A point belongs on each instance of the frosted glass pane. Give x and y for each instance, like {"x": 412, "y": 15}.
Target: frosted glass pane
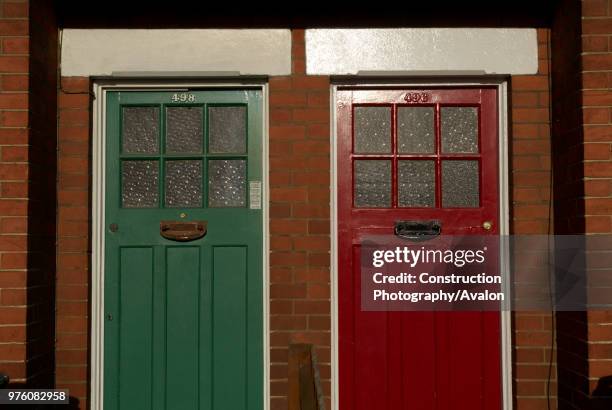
{"x": 184, "y": 184}
{"x": 373, "y": 130}
{"x": 184, "y": 130}
{"x": 459, "y": 129}
{"x": 460, "y": 184}
{"x": 227, "y": 183}
{"x": 139, "y": 180}
{"x": 372, "y": 184}
{"x": 415, "y": 130}
{"x": 416, "y": 183}
{"x": 140, "y": 130}
{"x": 227, "y": 130}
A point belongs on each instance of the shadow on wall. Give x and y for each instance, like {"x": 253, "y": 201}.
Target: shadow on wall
{"x": 601, "y": 398}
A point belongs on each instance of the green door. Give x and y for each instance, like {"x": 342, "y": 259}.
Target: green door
{"x": 183, "y": 318}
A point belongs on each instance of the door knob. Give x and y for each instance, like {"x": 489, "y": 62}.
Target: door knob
{"x": 487, "y": 225}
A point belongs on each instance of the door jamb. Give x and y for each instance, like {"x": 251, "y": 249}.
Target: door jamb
{"x": 100, "y": 88}
{"x": 504, "y": 214}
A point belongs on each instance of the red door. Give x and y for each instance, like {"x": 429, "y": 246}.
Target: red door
{"x": 415, "y": 154}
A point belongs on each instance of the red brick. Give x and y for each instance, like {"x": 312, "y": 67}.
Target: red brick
{"x": 598, "y": 224}
{"x": 311, "y": 115}
{"x": 318, "y": 98}
{"x": 291, "y": 258}
{"x": 530, "y": 115}
{"x": 13, "y": 101}
{"x": 279, "y": 83}
{"x": 13, "y": 297}
{"x": 71, "y": 357}
{"x": 311, "y": 178}
{"x": 288, "y": 98}
{"x": 14, "y": 82}
{"x": 75, "y": 84}
{"x": 13, "y": 64}
{"x": 13, "y": 260}
{"x": 13, "y": 225}
{"x": 594, "y": 8}
{"x": 287, "y": 132}
{"x": 525, "y": 99}
{"x": 597, "y": 26}
{"x": 14, "y": 154}
{"x": 598, "y": 206}
{"x": 13, "y": 27}
{"x": 12, "y": 334}
{"x": 319, "y": 323}
{"x": 316, "y": 307}
{"x": 298, "y": 36}
{"x": 12, "y": 315}
{"x": 529, "y": 83}
{"x": 288, "y": 194}
{"x": 596, "y": 62}
{"x": 311, "y": 147}
{"x": 70, "y": 340}
{"x": 594, "y": 43}
{"x": 594, "y": 80}
{"x": 14, "y": 118}
{"x": 313, "y": 274}
{"x": 597, "y": 187}
{"x": 280, "y": 115}
{"x": 598, "y": 169}
{"x": 596, "y": 98}
{"x": 288, "y": 322}
{"x": 318, "y": 131}
{"x": 598, "y": 133}
{"x": 286, "y": 291}
{"x": 596, "y": 115}
{"x": 15, "y": 45}
{"x": 15, "y": 190}
{"x": 311, "y": 243}
{"x": 318, "y": 227}
{"x": 72, "y": 117}
{"x": 73, "y": 100}
{"x": 310, "y": 82}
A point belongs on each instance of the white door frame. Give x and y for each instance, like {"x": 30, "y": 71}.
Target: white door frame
{"x": 504, "y": 215}
{"x": 98, "y": 187}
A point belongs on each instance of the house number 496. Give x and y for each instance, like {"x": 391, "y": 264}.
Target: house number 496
{"x": 183, "y": 97}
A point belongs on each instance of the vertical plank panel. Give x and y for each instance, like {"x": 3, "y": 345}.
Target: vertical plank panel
{"x": 372, "y": 371}
{"x": 418, "y": 358}
{"x": 135, "y": 329}
{"x": 229, "y": 327}
{"x": 182, "y": 337}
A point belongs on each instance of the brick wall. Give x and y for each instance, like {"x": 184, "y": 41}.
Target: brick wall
{"x": 28, "y": 44}
{"x": 530, "y": 213}
{"x": 73, "y": 238}
{"x": 299, "y": 220}
{"x": 583, "y": 133}
{"x": 14, "y": 274}
{"x": 596, "y": 69}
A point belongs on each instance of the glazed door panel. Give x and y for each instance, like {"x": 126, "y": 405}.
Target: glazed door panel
{"x": 415, "y": 154}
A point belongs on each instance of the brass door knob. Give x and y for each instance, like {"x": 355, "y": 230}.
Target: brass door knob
{"x": 487, "y": 225}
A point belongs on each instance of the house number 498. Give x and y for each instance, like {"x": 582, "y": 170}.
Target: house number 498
{"x": 183, "y": 97}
